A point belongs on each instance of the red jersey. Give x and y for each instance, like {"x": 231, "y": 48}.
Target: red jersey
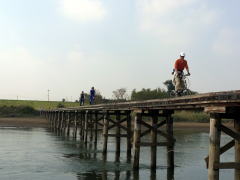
{"x": 181, "y": 64}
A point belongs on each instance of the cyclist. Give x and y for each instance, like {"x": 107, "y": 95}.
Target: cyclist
{"x": 179, "y": 66}
{"x": 92, "y": 95}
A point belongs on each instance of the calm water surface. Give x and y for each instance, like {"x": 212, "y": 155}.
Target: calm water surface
{"x": 37, "y": 153}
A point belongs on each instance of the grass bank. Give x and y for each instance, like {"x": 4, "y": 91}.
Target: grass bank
{"x": 25, "y": 108}
{"x": 190, "y": 116}
{"x": 38, "y": 105}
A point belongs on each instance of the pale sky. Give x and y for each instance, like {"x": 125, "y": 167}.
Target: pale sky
{"x": 71, "y": 45}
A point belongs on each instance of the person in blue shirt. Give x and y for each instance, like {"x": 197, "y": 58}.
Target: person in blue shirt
{"x": 82, "y": 99}
{"x": 92, "y": 95}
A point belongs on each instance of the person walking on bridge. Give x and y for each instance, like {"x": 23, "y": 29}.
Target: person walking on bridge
{"x": 82, "y": 98}
{"x": 179, "y": 66}
{"x": 92, "y": 95}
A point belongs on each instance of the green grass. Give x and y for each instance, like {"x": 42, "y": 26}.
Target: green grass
{"x": 190, "y": 116}
{"x": 37, "y": 105}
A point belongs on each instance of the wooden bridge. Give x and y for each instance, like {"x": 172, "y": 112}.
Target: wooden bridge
{"x": 132, "y": 118}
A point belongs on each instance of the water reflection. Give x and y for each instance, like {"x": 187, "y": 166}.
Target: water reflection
{"x": 118, "y": 175}
{"x": 111, "y": 170}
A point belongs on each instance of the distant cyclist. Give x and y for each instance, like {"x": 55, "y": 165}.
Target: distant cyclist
{"x": 92, "y": 96}
{"x": 82, "y": 98}
{"x": 179, "y": 66}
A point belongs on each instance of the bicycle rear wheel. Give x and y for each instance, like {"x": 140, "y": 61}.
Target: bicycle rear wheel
{"x": 187, "y": 92}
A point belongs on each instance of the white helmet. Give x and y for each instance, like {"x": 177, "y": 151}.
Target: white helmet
{"x": 182, "y": 54}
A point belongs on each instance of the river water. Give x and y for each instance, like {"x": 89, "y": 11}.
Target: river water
{"x": 37, "y": 153}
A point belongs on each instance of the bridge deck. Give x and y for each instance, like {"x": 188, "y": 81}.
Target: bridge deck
{"x": 201, "y": 101}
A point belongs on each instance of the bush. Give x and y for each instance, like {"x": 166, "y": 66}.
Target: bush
{"x": 17, "y": 111}
{"x": 60, "y": 105}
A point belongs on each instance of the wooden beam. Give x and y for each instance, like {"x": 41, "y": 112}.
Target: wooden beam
{"x": 116, "y": 135}
{"x": 114, "y": 125}
{"x": 151, "y": 144}
{"x": 230, "y": 132}
{"x": 227, "y": 165}
{"x": 117, "y": 124}
{"x": 223, "y": 149}
{"x": 215, "y": 109}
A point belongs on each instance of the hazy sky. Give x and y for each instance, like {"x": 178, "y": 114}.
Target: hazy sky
{"x": 70, "y": 45}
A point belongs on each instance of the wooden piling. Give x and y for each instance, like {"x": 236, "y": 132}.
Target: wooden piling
{"x": 154, "y": 115}
{"x": 137, "y": 140}
{"x": 62, "y": 121}
{"x": 64, "y": 125}
{"x": 214, "y": 147}
{"x": 91, "y": 125}
{"x": 170, "y": 144}
{"x": 75, "y": 125}
{"x": 237, "y": 148}
{"x": 86, "y": 127}
{"x": 170, "y": 173}
{"x": 129, "y": 136}
{"x": 118, "y": 138}
{"x": 58, "y": 121}
{"x": 68, "y": 123}
{"x": 105, "y": 135}
{"x": 96, "y": 129}
{"x": 80, "y": 123}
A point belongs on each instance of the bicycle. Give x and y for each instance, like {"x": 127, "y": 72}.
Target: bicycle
{"x": 186, "y": 91}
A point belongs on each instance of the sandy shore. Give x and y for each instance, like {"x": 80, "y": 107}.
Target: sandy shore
{"x": 23, "y": 122}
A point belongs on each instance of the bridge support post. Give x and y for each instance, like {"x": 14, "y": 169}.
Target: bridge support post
{"x": 64, "y": 123}
{"x": 170, "y": 144}
{"x": 237, "y": 148}
{"x": 86, "y": 127}
{"x": 61, "y": 123}
{"x": 68, "y": 123}
{"x": 57, "y": 121}
{"x": 81, "y": 126}
{"x": 96, "y": 129}
{"x": 129, "y": 136}
{"x": 75, "y": 125}
{"x": 91, "y": 125}
{"x": 53, "y": 120}
{"x": 137, "y": 140}
{"x": 118, "y": 138}
{"x": 49, "y": 117}
{"x": 214, "y": 146}
{"x": 105, "y": 135}
{"x": 154, "y": 115}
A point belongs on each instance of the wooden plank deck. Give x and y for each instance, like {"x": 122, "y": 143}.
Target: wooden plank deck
{"x": 200, "y": 101}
